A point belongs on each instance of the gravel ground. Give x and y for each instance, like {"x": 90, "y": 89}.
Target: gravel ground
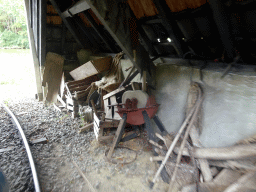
{"x": 14, "y": 163}
{"x": 54, "y": 160}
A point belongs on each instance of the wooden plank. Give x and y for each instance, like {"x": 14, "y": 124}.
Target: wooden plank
{"x": 91, "y": 68}
{"x": 101, "y": 100}
{"x": 43, "y": 140}
{"x": 79, "y": 88}
{"x": 56, "y": 107}
{"x": 96, "y": 119}
{"x": 52, "y": 75}
{"x": 68, "y": 91}
{"x": 61, "y": 100}
{"x": 222, "y": 153}
{"x": 177, "y": 6}
{"x": 84, "y": 81}
{"x": 77, "y": 36}
{"x": 62, "y": 85}
{"x": 123, "y": 30}
{"x": 225, "y": 178}
{"x": 204, "y": 165}
{"x": 110, "y": 110}
{"x": 235, "y": 164}
{"x": 82, "y": 94}
{"x": 71, "y": 108}
{"x": 42, "y": 31}
{"x": 92, "y": 88}
{"x": 118, "y": 135}
{"x": 95, "y": 111}
{"x": 246, "y": 182}
{"x": 171, "y": 26}
{"x": 87, "y": 127}
{"x": 113, "y": 93}
{"x": 144, "y": 85}
{"x": 135, "y": 86}
{"x": 108, "y": 124}
{"x": 110, "y": 99}
{"x": 233, "y": 152}
{"x": 74, "y": 113}
{"x": 105, "y": 138}
{"x": 70, "y": 101}
{"x": 6, "y": 149}
{"x": 100, "y": 32}
{"x": 142, "y": 8}
{"x": 76, "y": 8}
{"x": 96, "y": 127}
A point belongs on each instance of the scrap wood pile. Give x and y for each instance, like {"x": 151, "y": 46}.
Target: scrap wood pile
{"x": 86, "y": 85}
{"x": 93, "y": 93}
{"x": 190, "y": 167}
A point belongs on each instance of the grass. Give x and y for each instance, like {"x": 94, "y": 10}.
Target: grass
{"x": 17, "y": 78}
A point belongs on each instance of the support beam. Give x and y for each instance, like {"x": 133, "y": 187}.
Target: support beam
{"x": 222, "y": 21}
{"x": 89, "y": 38}
{"x": 76, "y": 8}
{"x": 116, "y": 18}
{"x": 33, "y": 52}
{"x": 147, "y": 41}
{"x": 109, "y": 44}
{"x": 118, "y": 135}
{"x": 171, "y": 25}
{"x": 42, "y": 32}
{"x": 78, "y": 36}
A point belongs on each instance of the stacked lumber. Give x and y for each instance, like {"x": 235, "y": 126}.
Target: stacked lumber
{"x": 86, "y": 82}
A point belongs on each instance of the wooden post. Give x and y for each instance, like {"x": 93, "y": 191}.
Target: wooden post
{"x": 94, "y": 107}
{"x": 33, "y": 52}
{"x": 144, "y": 78}
{"x": 118, "y": 135}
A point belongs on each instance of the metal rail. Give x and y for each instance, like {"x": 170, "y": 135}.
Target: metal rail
{"x": 30, "y": 157}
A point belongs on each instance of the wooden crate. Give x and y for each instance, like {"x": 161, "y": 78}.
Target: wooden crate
{"x": 91, "y": 68}
{"x": 110, "y": 99}
{"x": 96, "y": 126}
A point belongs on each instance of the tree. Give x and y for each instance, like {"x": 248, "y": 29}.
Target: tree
{"x": 13, "y": 30}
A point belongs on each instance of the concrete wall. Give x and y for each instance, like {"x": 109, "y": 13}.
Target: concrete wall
{"x": 229, "y": 108}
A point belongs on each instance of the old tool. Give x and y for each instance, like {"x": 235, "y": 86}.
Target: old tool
{"x": 137, "y": 108}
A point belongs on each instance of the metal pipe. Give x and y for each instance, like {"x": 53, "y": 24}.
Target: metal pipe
{"x": 30, "y": 157}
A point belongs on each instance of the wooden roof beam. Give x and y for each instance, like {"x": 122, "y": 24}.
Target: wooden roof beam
{"x": 117, "y": 20}
{"x": 170, "y": 25}
{"x": 77, "y": 36}
{"x": 96, "y": 27}
{"x": 80, "y": 6}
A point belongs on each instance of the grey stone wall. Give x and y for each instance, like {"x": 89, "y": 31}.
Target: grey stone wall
{"x": 229, "y": 107}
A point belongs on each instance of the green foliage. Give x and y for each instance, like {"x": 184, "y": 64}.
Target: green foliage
{"x": 11, "y": 39}
{"x": 13, "y": 30}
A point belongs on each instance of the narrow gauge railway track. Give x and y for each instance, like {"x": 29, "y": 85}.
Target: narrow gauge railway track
{"x": 16, "y": 158}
